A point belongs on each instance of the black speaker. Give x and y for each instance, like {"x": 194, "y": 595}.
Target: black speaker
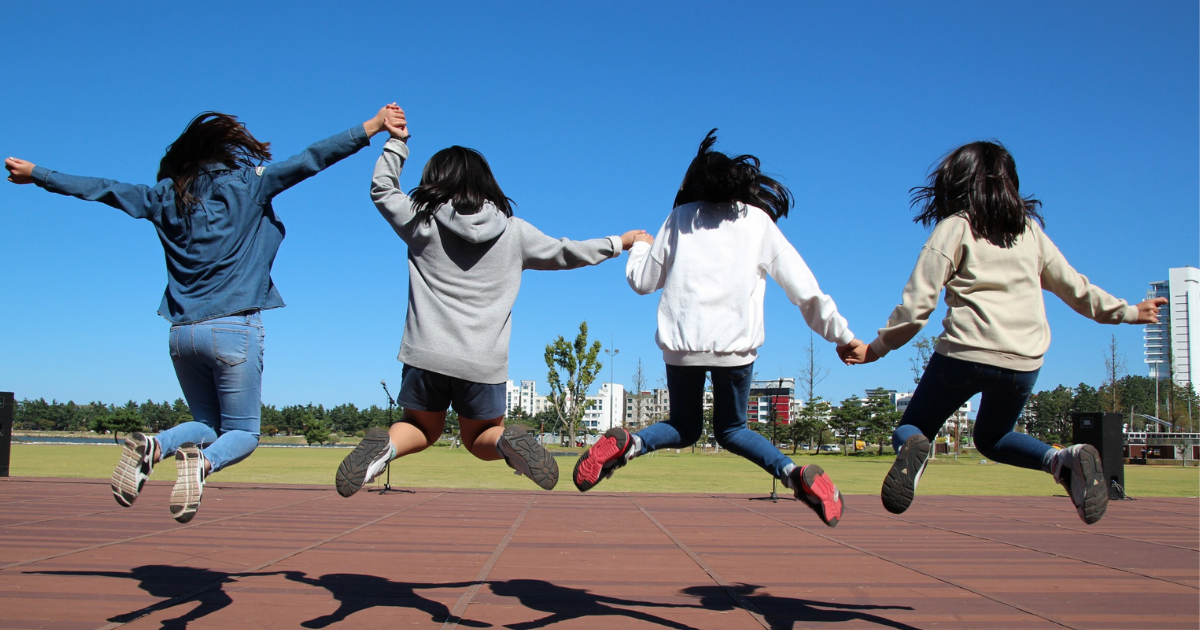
{"x": 1104, "y": 431}
{"x": 8, "y": 404}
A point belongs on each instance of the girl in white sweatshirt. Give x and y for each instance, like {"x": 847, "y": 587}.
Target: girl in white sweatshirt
{"x": 711, "y": 260}
{"x": 988, "y": 251}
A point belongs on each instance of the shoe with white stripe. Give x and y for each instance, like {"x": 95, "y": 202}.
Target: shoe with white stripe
{"x": 365, "y": 462}
{"x": 900, "y": 485}
{"x": 189, "y": 482}
{"x": 133, "y": 469}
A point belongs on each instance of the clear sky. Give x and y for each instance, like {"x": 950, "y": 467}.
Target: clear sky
{"x": 589, "y": 114}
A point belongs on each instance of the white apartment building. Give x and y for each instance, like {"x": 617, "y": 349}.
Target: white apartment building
{"x": 604, "y": 410}
{"x": 1168, "y": 344}
{"x": 524, "y": 396}
{"x": 643, "y": 409}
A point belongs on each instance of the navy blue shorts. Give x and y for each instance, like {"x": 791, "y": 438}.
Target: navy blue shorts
{"x": 422, "y": 390}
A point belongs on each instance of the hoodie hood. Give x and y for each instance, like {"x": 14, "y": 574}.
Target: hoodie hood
{"x": 477, "y": 227}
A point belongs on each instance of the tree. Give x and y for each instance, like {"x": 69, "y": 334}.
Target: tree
{"x": 315, "y": 429}
{"x": 1050, "y": 415}
{"x": 847, "y": 419}
{"x": 1114, "y": 369}
{"x": 637, "y": 400}
{"x": 882, "y": 418}
{"x": 809, "y": 423}
{"x": 124, "y": 420}
{"x": 1086, "y": 398}
{"x": 923, "y": 345}
{"x": 572, "y": 369}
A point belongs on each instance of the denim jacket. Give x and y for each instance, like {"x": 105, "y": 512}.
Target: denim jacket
{"x": 218, "y": 257}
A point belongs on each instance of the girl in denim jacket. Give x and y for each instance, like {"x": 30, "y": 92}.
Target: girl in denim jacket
{"x": 212, "y": 210}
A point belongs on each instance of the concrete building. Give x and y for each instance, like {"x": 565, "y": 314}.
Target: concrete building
{"x": 774, "y": 396}
{"x": 643, "y": 409}
{"x": 524, "y": 396}
{"x": 604, "y": 410}
{"x": 1168, "y": 344}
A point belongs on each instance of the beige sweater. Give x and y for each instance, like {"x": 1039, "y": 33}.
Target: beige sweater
{"x": 996, "y": 315}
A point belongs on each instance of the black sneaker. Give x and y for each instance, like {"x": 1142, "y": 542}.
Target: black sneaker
{"x": 597, "y": 463}
{"x": 812, "y": 486}
{"x": 900, "y": 485}
{"x": 523, "y": 454}
{"x": 133, "y": 469}
{"x": 365, "y": 462}
{"x": 1079, "y": 470}
{"x": 189, "y": 482}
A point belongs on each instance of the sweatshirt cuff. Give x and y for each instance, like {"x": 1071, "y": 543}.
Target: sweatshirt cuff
{"x": 846, "y": 337}
{"x": 880, "y": 349}
{"x": 397, "y": 146}
{"x": 616, "y": 243}
{"x": 1129, "y": 316}
{"x": 41, "y": 175}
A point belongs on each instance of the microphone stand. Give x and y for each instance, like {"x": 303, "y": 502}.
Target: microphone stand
{"x": 387, "y": 484}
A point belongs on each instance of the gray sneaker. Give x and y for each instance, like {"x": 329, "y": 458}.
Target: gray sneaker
{"x": 523, "y": 454}
{"x": 365, "y": 462}
{"x": 189, "y": 482}
{"x": 133, "y": 469}
{"x": 1079, "y": 470}
{"x": 900, "y": 485}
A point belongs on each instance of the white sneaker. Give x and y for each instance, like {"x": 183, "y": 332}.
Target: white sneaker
{"x": 133, "y": 469}
{"x": 189, "y": 482}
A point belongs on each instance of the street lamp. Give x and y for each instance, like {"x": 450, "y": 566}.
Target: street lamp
{"x": 612, "y": 353}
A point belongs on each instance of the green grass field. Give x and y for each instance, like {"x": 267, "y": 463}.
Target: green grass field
{"x": 664, "y": 471}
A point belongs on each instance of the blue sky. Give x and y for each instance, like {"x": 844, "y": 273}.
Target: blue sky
{"x": 588, "y": 114}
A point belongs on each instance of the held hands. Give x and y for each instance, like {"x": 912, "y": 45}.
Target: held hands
{"x": 19, "y": 171}
{"x": 390, "y": 118}
{"x": 1147, "y": 310}
{"x": 397, "y": 122}
{"x": 635, "y": 236}
{"x": 857, "y": 353}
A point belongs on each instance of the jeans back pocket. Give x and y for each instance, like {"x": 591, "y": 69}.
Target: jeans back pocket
{"x": 230, "y": 346}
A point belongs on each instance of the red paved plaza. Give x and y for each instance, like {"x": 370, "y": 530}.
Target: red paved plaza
{"x": 301, "y": 556}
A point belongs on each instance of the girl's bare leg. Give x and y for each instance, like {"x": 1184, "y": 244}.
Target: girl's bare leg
{"x": 416, "y": 431}
{"x": 480, "y": 436}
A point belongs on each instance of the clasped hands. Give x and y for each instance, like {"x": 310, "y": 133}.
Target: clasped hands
{"x": 856, "y": 353}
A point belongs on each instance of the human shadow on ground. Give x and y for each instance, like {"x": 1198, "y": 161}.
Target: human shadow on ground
{"x": 355, "y": 592}
{"x": 790, "y": 612}
{"x": 565, "y": 604}
{"x": 170, "y": 583}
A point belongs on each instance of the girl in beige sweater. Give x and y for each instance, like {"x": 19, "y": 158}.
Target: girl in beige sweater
{"x": 989, "y": 253}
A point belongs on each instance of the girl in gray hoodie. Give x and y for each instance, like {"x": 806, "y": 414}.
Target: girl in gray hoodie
{"x": 466, "y": 252}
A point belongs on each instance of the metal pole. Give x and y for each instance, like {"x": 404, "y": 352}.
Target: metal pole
{"x": 612, "y": 354}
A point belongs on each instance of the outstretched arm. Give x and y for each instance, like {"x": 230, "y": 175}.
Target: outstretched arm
{"x": 1083, "y": 297}
{"x": 136, "y": 200}
{"x": 647, "y": 267}
{"x": 542, "y": 252}
{"x": 279, "y": 176}
{"x": 797, "y": 281}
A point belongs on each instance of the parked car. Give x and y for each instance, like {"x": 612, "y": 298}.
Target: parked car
{"x": 831, "y": 448}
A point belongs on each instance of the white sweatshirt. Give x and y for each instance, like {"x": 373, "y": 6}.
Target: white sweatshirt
{"x": 711, "y": 261}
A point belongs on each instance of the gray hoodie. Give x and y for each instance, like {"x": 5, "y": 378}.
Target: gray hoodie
{"x": 464, "y": 271}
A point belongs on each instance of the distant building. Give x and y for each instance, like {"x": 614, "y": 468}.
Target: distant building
{"x": 1168, "y": 344}
{"x": 775, "y": 396}
{"x": 524, "y": 396}
{"x": 603, "y": 411}
{"x": 643, "y": 409}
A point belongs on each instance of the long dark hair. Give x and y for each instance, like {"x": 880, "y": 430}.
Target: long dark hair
{"x": 717, "y": 178}
{"x": 211, "y": 137}
{"x": 461, "y": 177}
{"x": 979, "y": 181}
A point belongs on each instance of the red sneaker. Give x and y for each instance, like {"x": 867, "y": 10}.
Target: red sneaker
{"x": 609, "y": 453}
{"x": 817, "y": 491}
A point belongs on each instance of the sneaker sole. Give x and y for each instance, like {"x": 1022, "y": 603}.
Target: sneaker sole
{"x": 900, "y": 485}
{"x": 817, "y": 483}
{"x": 543, "y": 470}
{"x": 1095, "y": 494}
{"x": 352, "y": 473}
{"x": 127, "y": 479}
{"x": 589, "y": 470}
{"x": 185, "y": 497}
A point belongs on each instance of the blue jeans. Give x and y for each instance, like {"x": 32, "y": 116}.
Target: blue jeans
{"x": 219, "y": 363}
{"x": 948, "y": 383}
{"x": 731, "y": 397}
